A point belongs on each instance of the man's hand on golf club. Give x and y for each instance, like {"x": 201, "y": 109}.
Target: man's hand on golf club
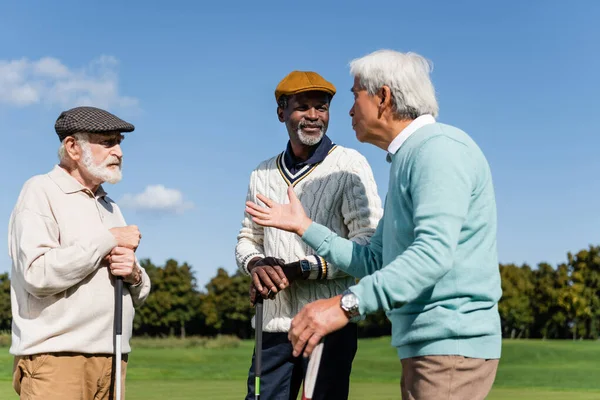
{"x": 270, "y": 275}
{"x": 267, "y": 275}
{"x": 122, "y": 263}
{"x": 127, "y": 236}
{"x": 315, "y": 321}
{"x": 288, "y": 217}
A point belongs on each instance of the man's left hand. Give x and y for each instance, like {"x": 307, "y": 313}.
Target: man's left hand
{"x": 313, "y": 322}
{"x": 122, "y": 263}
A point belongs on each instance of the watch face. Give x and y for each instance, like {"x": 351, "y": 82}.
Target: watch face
{"x": 305, "y": 265}
{"x": 349, "y": 301}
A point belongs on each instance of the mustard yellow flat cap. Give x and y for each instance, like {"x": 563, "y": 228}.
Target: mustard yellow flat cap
{"x": 303, "y": 81}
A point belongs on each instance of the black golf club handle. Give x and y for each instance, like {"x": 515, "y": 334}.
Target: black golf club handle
{"x": 119, "y": 305}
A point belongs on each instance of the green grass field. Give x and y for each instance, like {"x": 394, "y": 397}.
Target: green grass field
{"x": 544, "y": 370}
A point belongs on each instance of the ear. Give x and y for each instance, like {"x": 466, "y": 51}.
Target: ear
{"x": 385, "y": 98}
{"x": 72, "y": 148}
{"x": 280, "y": 114}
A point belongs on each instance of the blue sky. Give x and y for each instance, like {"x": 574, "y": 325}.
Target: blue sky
{"x": 197, "y": 81}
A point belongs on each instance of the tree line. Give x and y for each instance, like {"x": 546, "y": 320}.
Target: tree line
{"x": 548, "y": 302}
{"x": 553, "y": 303}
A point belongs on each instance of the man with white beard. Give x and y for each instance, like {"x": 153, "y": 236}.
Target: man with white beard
{"x": 67, "y": 241}
{"x": 336, "y": 186}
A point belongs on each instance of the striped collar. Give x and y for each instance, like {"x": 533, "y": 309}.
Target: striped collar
{"x": 293, "y": 171}
{"x": 318, "y": 154}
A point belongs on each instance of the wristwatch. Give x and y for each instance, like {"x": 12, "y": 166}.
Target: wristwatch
{"x": 349, "y": 303}
{"x": 305, "y": 268}
{"x": 313, "y": 267}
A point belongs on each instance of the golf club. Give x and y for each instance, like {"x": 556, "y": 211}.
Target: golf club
{"x": 312, "y": 371}
{"x": 258, "y": 357}
{"x": 314, "y": 361}
{"x": 118, "y": 333}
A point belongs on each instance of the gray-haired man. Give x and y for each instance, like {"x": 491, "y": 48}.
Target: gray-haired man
{"x": 432, "y": 263}
{"x": 68, "y": 240}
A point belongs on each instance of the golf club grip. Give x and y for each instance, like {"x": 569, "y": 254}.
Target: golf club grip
{"x": 312, "y": 371}
{"x": 119, "y": 306}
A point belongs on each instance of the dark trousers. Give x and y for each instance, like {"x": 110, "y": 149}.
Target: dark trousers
{"x": 282, "y": 373}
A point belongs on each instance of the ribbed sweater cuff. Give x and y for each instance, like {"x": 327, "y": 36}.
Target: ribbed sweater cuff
{"x": 315, "y": 235}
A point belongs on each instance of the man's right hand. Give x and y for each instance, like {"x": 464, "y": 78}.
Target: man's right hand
{"x": 127, "y": 236}
{"x": 289, "y": 217}
{"x": 267, "y": 274}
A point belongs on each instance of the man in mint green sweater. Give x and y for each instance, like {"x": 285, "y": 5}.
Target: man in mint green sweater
{"x": 432, "y": 264}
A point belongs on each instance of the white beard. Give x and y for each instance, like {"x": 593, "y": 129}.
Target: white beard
{"x": 309, "y": 140}
{"x": 101, "y": 171}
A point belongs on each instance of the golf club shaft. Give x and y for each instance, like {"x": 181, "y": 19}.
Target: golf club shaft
{"x": 258, "y": 357}
{"x": 258, "y": 302}
{"x": 118, "y": 333}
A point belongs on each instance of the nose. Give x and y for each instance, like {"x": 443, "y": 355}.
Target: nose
{"x": 312, "y": 114}
{"x": 117, "y": 151}
{"x": 352, "y": 111}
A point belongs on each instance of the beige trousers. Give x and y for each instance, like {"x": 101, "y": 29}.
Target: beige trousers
{"x": 66, "y": 376}
{"x": 447, "y": 378}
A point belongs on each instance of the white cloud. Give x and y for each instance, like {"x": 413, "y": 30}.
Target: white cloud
{"x": 157, "y": 198}
{"x": 48, "y": 81}
{"x": 50, "y": 67}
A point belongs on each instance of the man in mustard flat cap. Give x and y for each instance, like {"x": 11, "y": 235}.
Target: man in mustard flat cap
{"x": 336, "y": 187}
{"x": 67, "y": 241}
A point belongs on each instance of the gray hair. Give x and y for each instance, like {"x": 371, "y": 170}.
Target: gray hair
{"x": 79, "y": 137}
{"x": 407, "y": 76}
{"x": 282, "y": 102}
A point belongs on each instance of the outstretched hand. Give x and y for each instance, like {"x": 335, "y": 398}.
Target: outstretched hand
{"x": 288, "y": 217}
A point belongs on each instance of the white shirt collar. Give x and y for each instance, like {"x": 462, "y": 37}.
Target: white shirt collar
{"x": 399, "y": 140}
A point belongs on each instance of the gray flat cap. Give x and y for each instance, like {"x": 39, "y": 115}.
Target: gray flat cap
{"x": 89, "y": 120}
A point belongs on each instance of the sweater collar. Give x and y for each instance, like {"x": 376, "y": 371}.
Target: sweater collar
{"x": 421, "y": 121}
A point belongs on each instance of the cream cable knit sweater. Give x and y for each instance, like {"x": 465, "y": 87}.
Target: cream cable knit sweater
{"x": 339, "y": 193}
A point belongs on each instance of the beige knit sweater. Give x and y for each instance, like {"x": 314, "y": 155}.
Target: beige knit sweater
{"x": 339, "y": 193}
{"x": 62, "y": 294}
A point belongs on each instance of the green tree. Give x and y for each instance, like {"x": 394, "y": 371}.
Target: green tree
{"x": 226, "y": 305}
{"x": 515, "y": 307}
{"x": 584, "y": 301}
{"x": 150, "y": 318}
{"x": 550, "y": 301}
{"x": 180, "y": 283}
{"x": 173, "y": 301}
{"x": 5, "y": 313}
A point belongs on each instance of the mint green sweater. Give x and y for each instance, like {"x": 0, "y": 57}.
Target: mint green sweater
{"x": 432, "y": 263}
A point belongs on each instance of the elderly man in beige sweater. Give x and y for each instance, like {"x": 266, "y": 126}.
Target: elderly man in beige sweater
{"x": 68, "y": 240}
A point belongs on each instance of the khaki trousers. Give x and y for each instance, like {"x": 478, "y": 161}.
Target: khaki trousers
{"x": 66, "y": 376}
{"x": 447, "y": 378}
